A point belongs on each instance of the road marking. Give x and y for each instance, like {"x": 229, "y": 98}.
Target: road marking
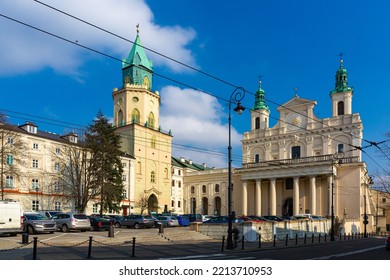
{"x": 348, "y": 253}
{"x": 193, "y": 256}
{"x": 54, "y": 237}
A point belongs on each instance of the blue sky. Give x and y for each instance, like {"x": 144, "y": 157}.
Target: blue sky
{"x": 291, "y": 44}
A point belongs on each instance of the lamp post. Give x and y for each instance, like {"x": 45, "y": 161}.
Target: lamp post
{"x": 337, "y": 156}
{"x": 236, "y": 96}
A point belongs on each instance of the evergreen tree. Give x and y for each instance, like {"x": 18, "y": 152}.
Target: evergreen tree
{"x": 106, "y": 166}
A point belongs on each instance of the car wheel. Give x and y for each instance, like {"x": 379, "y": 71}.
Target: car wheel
{"x": 137, "y": 226}
{"x": 117, "y": 225}
{"x": 65, "y": 228}
{"x": 30, "y": 230}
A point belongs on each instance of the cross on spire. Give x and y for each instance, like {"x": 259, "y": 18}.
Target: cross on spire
{"x": 137, "y": 28}
{"x": 341, "y": 59}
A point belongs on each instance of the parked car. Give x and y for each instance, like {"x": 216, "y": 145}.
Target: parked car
{"x": 193, "y": 217}
{"x": 35, "y": 223}
{"x": 100, "y": 223}
{"x": 254, "y": 219}
{"x": 222, "y": 220}
{"x": 168, "y": 221}
{"x": 387, "y": 244}
{"x": 206, "y": 217}
{"x": 72, "y": 221}
{"x": 183, "y": 221}
{"x": 136, "y": 221}
{"x": 272, "y": 218}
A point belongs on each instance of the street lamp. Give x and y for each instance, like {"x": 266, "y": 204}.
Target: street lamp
{"x": 236, "y": 96}
{"x": 337, "y": 156}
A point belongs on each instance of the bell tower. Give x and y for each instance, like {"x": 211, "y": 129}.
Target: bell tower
{"x": 137, "y": 120}
{"x": 341, "y": 96}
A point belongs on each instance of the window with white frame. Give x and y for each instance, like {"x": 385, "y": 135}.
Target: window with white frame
{"x": 35, "y": 163}
{"x": 152, "y": 177}
{"x": 35, "y": 205}
{"x": 95, "y": 208}
{"x": 57, "y": 206}
{"x": 10, "y": 140}
{"x": 124, "y": 177}
{"x": 35, "y": 184}
{"x": 124, "y": 193}
{"x": 35, "y": 146}
{"x": 10, "y": 159}
{"x": 9, "y": 182}
{"x": 56, "y": 167}
{"x": 57, "y": 187}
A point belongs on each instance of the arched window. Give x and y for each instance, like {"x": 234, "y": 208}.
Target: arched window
{"x": 153, "y": 142}
{"x": 216, "y": 189}
{"x": 340, "y": 108}
{"x": 127, "y": 80}
{"x": 204, "y": 189}
{"x": 135, "y": 116}
{"x": 152, "y": 177}
{"x": 151, "y": 120}
{"x": 139, "y": 170}
{"x": 257, "y": 123}
{"x": 121, "y": 121}
{"x": 146, "y": 82}
{"x": 166, "y": 173}
{"x": 295, "y": 152}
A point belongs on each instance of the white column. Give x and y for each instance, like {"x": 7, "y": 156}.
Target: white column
{"x": 272, "y": 198}
{"x": 313, "y": 194}
{"x": 329, "y": 194}
{"x": 258, "y": 198}
{"x": 296, "y": 196}
{"x": 244, "y": 198}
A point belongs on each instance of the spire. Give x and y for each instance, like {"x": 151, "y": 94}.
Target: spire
{"x": 137, "y": 69}
{"x": 260, "y": 99}
{"x": 341, "y": 78}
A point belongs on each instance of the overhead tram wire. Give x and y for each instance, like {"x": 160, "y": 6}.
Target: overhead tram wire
{"x": 157, "y": 74}
{"x": 166, "y": 57}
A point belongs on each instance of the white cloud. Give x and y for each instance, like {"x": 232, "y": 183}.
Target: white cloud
{"x": 25, "y": 50}
{"x": 197, "y": 120}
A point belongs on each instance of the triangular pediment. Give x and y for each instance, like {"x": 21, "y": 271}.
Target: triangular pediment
{"x": 297, "y": 103}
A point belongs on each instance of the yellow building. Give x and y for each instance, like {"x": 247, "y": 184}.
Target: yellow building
{"x": 137, "y": 118}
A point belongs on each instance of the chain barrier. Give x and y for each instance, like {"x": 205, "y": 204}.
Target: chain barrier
{"x": 126, "y": 243}
{"x": 16, "y": 248}
{"x": 62, "y": 246}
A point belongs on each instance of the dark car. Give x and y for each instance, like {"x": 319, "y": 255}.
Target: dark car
{"x": 272, "y": 218}
{"x": 387, "y": 243}
{"x": 183, "y": 221}
{"x": 193, "y": 217}
{"x": 136, "y": 221}
{"x": 222, "y": 220}
{"x": 100, "y": 223}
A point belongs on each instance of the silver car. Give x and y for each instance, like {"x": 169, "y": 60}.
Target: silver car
{"x": 168, "y": 221}
{"x": 72, "y": 221}
{"x": 35, "y": 223}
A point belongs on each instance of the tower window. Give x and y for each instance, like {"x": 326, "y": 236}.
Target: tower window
{"x": 340, "y": 148}
{"x": 257, "y": 158}
{"x": 152, "y": 177}
{"x": 257, "y": 123}
{"x": 340, "y": 108}
{"x": 136, "y": 116}
{"x": 151, "y": 120}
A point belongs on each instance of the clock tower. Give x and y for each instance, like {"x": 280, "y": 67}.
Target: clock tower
{"x": 137, "y": 119}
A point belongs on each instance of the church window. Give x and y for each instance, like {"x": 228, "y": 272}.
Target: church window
{"x": 340, "y": 108}
{"x": 139, "y": 169}
{"x": 127, "y": 79}
{"x": 257, "y": 158}
{"x": 152, "y": 177}
{"x": 151, "y": 120}
{"x": 204, "y": 189}
{"x": 257, "y": 123}
{"x": 121, "y": 121}
{"x": 153, "y": 142}
{"x": 289, "y": 183}
{"x": 295, "y": 152}
{"x": 340, "y": 148}
{"x": 136, "y": 116}
{"x": 216, "y": 188}
{"x": 192, "y": 189}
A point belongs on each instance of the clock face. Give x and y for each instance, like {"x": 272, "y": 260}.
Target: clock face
{"x": 295, "y": 121}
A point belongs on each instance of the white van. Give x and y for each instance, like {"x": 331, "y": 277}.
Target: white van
{"x": 10, "y": 217}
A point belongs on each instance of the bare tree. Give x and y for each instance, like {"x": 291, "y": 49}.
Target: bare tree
{"x": 142, "y": 202}
{"x": 12, "y": 149}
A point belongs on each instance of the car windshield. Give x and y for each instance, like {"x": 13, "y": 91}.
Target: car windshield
{"x": 35, "y": 217}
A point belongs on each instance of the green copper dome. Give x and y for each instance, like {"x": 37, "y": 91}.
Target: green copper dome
{"x": 260, "y": 100}
{"x": 341, "y": 80}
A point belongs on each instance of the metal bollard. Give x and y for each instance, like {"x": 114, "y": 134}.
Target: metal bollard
{"x": 296, "y": 239}
{"x": 133, "y": 251}
{"x": 223, "y": 242}
{"x": 111, "y": 231}
{"x": 305, "y": 238}
{"x": 90, "y": 247}
{"x": 25, "y": 238}
{"x": 274, "y": 240}
{"x": 161, "y": 228}
{"x": 286, "y": 239}
{"x": 312, "y": 238}
{"x": 259, "y": 240}
{"x": 319, "y": 238}
{"x": 35, "y": 248}
{"x": 242, "y": 243}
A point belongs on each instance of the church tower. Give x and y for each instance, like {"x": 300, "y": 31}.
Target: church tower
{"x": 137, "y": 118}
{"x": 342, "y": 94}
{"x": 260, "y": 112}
